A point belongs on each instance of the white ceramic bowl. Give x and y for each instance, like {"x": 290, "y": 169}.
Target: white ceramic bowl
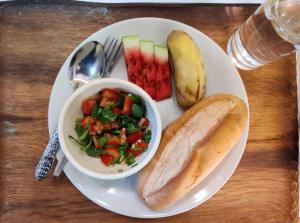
{"x": 93, "y": 166}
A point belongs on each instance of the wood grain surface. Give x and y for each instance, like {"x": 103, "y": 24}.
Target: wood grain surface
{"x": 35, "y": 39}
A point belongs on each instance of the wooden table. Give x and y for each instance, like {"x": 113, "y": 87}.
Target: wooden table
{"x": 35, "y": 40}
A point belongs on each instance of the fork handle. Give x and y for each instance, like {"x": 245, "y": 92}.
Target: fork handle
{"x": 48, "y": 157}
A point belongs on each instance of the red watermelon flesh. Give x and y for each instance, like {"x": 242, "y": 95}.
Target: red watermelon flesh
{"x": 148, "y": 67}
{"x": 133, "y": 60}
{"x": 163, "y": 73}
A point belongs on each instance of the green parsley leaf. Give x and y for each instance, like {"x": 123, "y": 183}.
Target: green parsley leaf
{"x": 135, "y": 164}
{"x": 102, "y": 119}
{"x": 76, "y": 140}
{"x": 119, "y": 160}
{"x": 126, "y": 120}
{"x": 123, "y": 153}
{"x": 84, "y": 135}
{"x": 83, "y": 145}
{"x": 132, "y": 128}
{"x": 122, "y": 158}
{"x": 108, "y": 115}
{"x": 136, "y": 148}
{"x": 137, "y": 110}
{"x": 96, "y": 111}
{"x": 123, "y": 147}
{"x": 136, "y": 99}
{"x": 78, "y": 128}
{"x": 147, "y": 136}
{"x": 84, "y": 148}
{"x": 86, "y": 140}
{"x": 92, "y": 151}
{"x": 102, "y": 141}
{"x": 115, "y": 131}
{"x": 130, "y": 160}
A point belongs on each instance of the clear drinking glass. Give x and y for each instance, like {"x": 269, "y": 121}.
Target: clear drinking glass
{"x": 272, "y": 32}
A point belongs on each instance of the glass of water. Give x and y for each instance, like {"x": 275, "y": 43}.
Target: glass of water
{"x": 272, "y": 32}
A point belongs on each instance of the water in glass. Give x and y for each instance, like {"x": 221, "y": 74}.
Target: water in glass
{"x": 272, "y": 32}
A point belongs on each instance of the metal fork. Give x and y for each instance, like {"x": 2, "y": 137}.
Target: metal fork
{"x": 112, "y": 47}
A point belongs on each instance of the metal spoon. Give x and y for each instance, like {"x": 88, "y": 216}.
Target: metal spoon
{"x": 86, "y": 64}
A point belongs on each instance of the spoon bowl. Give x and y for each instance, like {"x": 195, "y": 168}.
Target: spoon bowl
{"x": 87, "y": 63}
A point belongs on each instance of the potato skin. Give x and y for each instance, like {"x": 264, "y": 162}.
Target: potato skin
{"x": 189, "y": 72}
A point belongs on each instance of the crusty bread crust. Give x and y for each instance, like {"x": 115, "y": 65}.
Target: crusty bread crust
{"x": 206, "y": 157}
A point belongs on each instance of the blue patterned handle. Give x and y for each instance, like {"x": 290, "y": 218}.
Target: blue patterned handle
{"x": 48, "y": 157}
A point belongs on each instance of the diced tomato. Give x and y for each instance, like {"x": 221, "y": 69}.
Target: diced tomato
{"x": 117, "y": 111}
{"x": 107, "y": 159}
{"x": 114, "y": 152}
{"x": 109, "y": 97}
{"x": 85, "y": 121}
{"x": 111, "y": 93}
{"x": 113, "y": 140}
{"x": 107, "y": 126}
{"x": 105, "y": 102}
{"x": 87, "y": 105}
{"x": 92, "y": 130}
{"x": 98, "y": 126}
{"x": 111, "y": 125}
{"x": 97, "y": 145}
{"x": 141, "y": 145}
{"x": 127, "y": 105}
{"x": 144, "y": 122}
{"x": 133, "y": 137}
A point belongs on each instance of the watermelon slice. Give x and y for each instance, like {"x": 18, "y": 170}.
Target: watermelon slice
{"x": 132, "y": 54}
{"x": 163, "y": 76}
{"x": 148, "y": 67}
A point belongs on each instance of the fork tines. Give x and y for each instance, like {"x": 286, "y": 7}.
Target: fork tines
{"x": 112, "y": 48}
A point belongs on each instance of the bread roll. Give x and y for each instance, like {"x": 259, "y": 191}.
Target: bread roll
{"x": 190, "y": 148}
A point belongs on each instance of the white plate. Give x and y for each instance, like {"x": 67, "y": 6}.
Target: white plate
{"x": 120, "y": 196}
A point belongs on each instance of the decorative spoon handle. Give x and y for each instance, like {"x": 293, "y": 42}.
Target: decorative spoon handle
{"x": 48, "y": 157}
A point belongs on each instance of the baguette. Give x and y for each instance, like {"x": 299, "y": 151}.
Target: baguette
{"x": 190, "y": 148}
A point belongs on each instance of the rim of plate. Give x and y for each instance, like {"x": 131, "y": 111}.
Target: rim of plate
{"x": 244, "y": 135}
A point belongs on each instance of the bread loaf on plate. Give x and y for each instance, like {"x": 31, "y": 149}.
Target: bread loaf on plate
{"x": 192, "y": 147}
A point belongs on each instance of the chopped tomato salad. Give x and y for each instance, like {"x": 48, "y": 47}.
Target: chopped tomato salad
{"x": 113, "y": 127}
